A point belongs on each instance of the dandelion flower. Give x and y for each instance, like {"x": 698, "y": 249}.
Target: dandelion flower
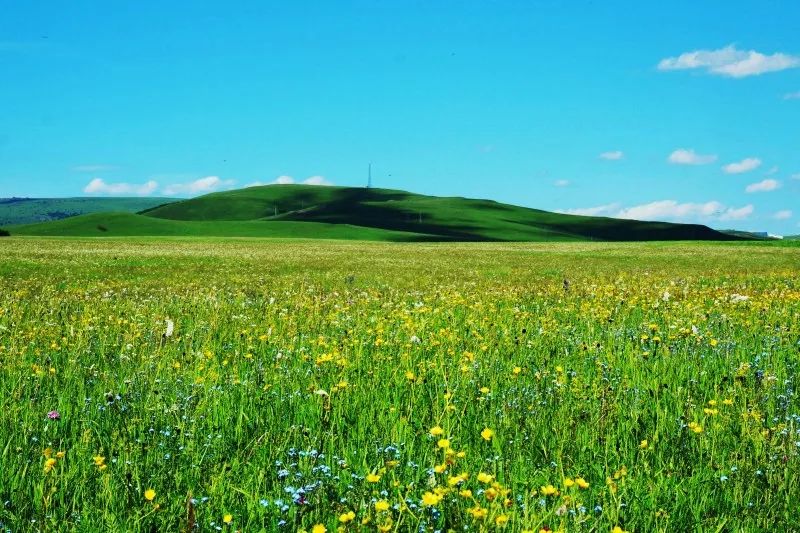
{"x": 483, "y": 477}
{"x": 347, "y": 517}
{"x": 319, "y": 528}
{"x": 478, "y": 512}
{"x": 228, "y": 518}
{"x": 436, "y": 431}
{"x": 549, "y": 490}
{"x": 487, "y": 434}
{"x": 443, "y": 443}
{"x": 429, "y": 499}
{"x": 381, "y": 505}
{"x": 49, "y": 464}
{"x": 149, "y": 495}
{"x": 373, "y": 478}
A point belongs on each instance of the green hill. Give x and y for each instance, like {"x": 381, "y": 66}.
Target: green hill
{"x": 31, "y": 210}
{"x": 359, "y": 213}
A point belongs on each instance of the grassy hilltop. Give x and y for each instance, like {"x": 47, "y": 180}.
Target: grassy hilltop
{"x": 365, "y": 214}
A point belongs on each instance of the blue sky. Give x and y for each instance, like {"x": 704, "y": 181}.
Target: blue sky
{"x": 686, "y": 111}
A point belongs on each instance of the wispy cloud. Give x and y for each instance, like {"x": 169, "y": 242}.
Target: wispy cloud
{"x": 613, "y": 155}
{"x": 94, "y": 168}
{"x": 763, "y": 186}
{"x": 683, "y": 156}
{"x": 668, "y": 210}
{"x": 561, "y": 183}
{"x": 745, "y": 165}
{"x": 796, "y": 176}
{"x": 783, "y": 214}
{"x": 792, "y": 96}
{"x": 198, "y": 186}
{"x": 98, "y": 186}
{"x": 731, "y": 62}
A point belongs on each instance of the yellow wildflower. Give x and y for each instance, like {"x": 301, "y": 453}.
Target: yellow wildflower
{"x": 430, "y": 499}
{"x": 381, "y": 505}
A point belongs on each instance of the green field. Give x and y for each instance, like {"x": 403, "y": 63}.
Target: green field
{"x": 362, "y": 214}
{"x": 398, "y": 387}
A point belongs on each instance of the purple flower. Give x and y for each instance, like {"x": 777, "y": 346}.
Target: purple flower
{"x": 54, "y": 415}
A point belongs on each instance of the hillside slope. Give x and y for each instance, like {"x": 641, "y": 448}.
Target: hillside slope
{"x": 32, "y": 210}
{"x": 131, "y": 224}
{"x": 448, "y": 218}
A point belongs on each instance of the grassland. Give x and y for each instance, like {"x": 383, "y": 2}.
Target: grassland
{"x": 367, "y": 214}
{"x": 398, "y": 387}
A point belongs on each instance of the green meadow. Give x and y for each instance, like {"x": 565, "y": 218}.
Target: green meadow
{"x": 240, "y": 384}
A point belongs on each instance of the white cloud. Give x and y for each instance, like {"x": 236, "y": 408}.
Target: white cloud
{"x": 774, "y": 170}
{"x": 763, "y": 186}
{"x": 668, "y": 210}
{"x": 316, "y": 180}
{"x": 94, "y": 168}
{"x": 737, "y": 214}
{"x": 783, "y": 214}
{"x": 796, "y": 176}
{"x": 606, "y": 210}
{"x": 561, "y": 183}
{"x": 614, "y": 155}
{"x": 682, "y": 156}
{"x": 745, "y": 165}
{"x": 202, "y": 185}
{"x": 288, "y": 180}
{"x": 792, "y": 96}
{"x": 98, "y": 186}
{"x": 731, "y": 62}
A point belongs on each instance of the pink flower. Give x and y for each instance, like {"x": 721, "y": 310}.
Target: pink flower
{"x": 54, "y": 415}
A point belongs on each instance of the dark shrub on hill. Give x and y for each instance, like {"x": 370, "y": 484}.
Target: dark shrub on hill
{"x": 4, "y": 233}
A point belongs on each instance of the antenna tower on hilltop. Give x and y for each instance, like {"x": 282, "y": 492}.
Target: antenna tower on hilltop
{"x": 369, "y": 176}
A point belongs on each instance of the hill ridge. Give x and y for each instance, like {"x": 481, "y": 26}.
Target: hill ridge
{"x": 382, "y": 214}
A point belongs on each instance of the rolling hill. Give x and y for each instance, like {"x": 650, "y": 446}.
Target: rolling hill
{"x": 32, "y": 210}
{"x": 359, "y": 213}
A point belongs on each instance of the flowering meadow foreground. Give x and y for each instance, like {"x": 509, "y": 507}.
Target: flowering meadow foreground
{"x": 171, "y": 385}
